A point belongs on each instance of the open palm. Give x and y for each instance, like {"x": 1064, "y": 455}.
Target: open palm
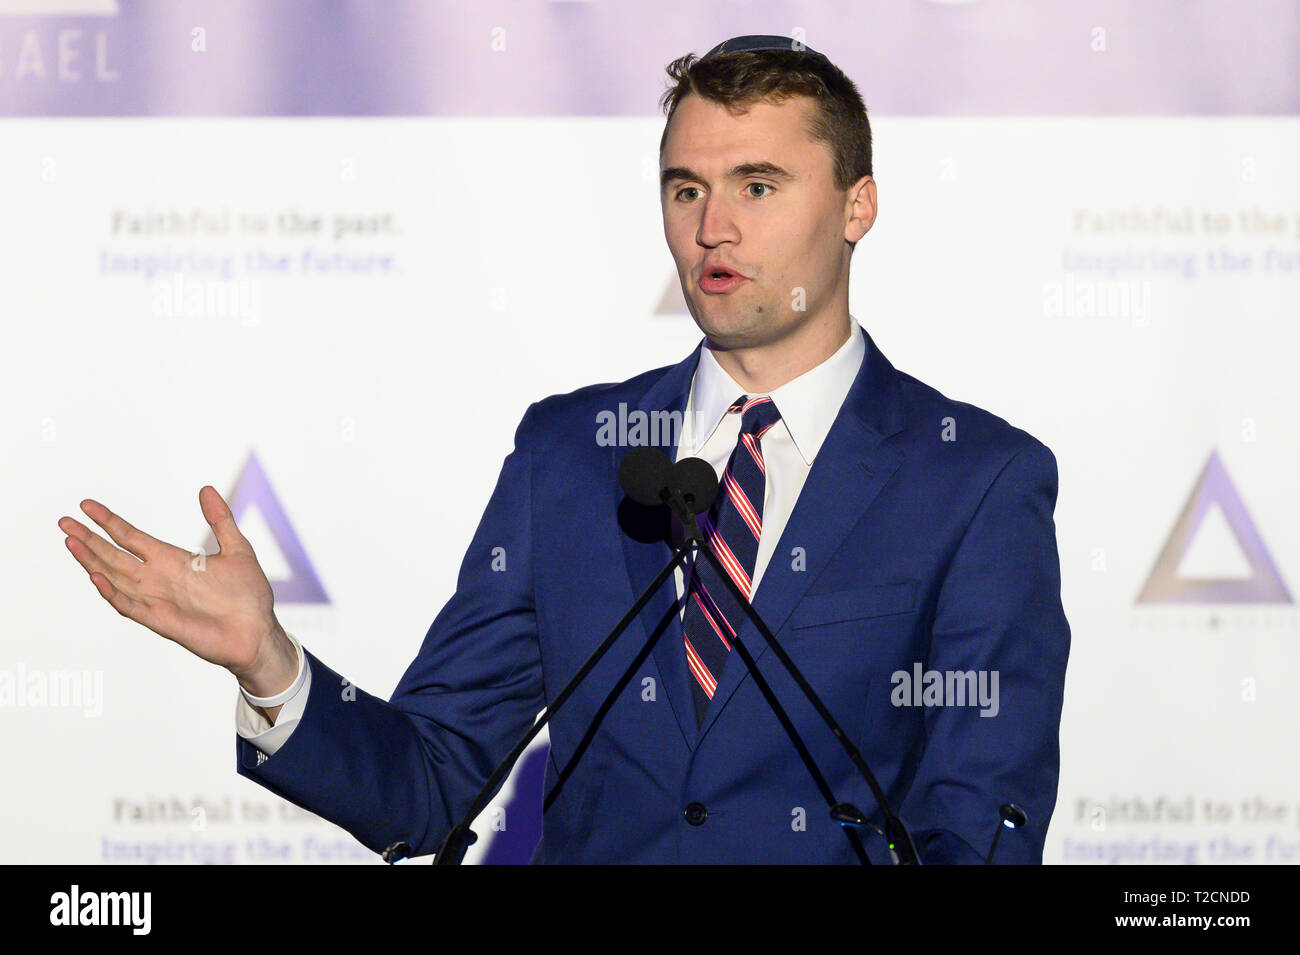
{"x": 219, "y": 608}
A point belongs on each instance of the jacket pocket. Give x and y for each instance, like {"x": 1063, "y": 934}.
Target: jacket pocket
{"x": 876, "y": 600}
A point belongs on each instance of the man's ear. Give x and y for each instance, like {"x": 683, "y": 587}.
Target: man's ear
{"x": 860, "y": 209}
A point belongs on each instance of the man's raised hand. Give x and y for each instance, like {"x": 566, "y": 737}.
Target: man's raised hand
{"x": 220, "y": 608}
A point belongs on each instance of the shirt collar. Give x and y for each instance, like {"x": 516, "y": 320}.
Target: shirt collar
{"x": 808, "y": 404}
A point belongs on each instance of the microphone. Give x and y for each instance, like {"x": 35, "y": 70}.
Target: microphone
{"x": 1011, "y": 817}
{"x": 649, "y": 478}
{"x": 644, "y": 474}
{"x": 697, "y": 483}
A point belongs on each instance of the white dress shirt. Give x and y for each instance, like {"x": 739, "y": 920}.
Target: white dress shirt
{"x": 808, "y": 405}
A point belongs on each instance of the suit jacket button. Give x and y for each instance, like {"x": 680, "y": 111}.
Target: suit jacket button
{"x": 695, "y": 814}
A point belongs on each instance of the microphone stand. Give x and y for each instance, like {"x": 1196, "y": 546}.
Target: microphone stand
{"x": 457, "y": 841}
{"x": 461, "y": 837}
{"x": 693, "y": 536}
{"x": 900, "y": 843}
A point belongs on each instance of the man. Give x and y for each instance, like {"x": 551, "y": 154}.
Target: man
{"x": 900, "y": 545}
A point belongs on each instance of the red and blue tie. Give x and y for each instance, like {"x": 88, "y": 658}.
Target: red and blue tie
{"x": 733, "y": 526}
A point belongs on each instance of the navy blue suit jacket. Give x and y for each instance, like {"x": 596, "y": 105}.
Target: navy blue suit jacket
{"x": 923, "y": 540}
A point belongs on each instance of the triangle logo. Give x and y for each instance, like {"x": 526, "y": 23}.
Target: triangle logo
{"x": 1256, "y": 582}
{"x": 253, "y": 490}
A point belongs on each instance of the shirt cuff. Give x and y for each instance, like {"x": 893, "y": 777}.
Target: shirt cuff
{"x": 257, "y": 729}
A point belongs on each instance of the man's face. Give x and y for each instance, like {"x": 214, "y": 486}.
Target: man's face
{"x": 754, "y": 194}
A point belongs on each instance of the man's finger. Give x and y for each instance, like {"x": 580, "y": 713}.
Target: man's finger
{"x": 217, "y": 513}
{"x": 119, "y": 562}
{"x": 127, "y": 537}
{"x": 92, "y": 564}
{"x": 131, "y": 609}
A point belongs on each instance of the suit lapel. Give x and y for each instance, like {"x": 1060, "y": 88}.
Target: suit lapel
{"x": 647, "y": 548}
{"x": 851, "y": 467}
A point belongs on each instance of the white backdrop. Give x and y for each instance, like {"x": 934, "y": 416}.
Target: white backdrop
{"x": 527, "y": 258}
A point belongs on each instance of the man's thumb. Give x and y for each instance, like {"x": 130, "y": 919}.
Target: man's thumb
{"x": 217, "y": 513}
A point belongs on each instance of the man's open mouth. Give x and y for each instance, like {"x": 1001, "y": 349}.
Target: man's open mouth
{"x": 718, "y": 281}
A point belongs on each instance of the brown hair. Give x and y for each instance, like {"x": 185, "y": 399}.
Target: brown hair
{"x": 737, "y": 80}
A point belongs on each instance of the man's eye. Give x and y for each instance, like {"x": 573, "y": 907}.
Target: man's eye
{"x": 681, "y": 193}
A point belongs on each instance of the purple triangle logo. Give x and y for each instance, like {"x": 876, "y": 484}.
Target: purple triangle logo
{"x": 1263, "y": 586}
{"x": 302, "y": 586}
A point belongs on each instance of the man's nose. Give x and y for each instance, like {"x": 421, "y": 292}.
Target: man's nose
{"x": 717, "y": 224}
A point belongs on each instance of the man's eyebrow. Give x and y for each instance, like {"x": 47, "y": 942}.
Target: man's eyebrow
{"x": 740, "y": 171}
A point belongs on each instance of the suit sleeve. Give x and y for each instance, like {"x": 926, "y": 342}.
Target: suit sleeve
{"x": 406, "y": 769}
{"x": 998, "y": 612}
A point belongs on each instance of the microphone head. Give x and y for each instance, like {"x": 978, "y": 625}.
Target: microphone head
{"x": 643, "y": 473}
{"x": 1013, "y": 817}
{"x": 697, "y": 482}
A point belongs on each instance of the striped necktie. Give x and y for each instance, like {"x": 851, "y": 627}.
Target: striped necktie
{"x": 733, "y": 526}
